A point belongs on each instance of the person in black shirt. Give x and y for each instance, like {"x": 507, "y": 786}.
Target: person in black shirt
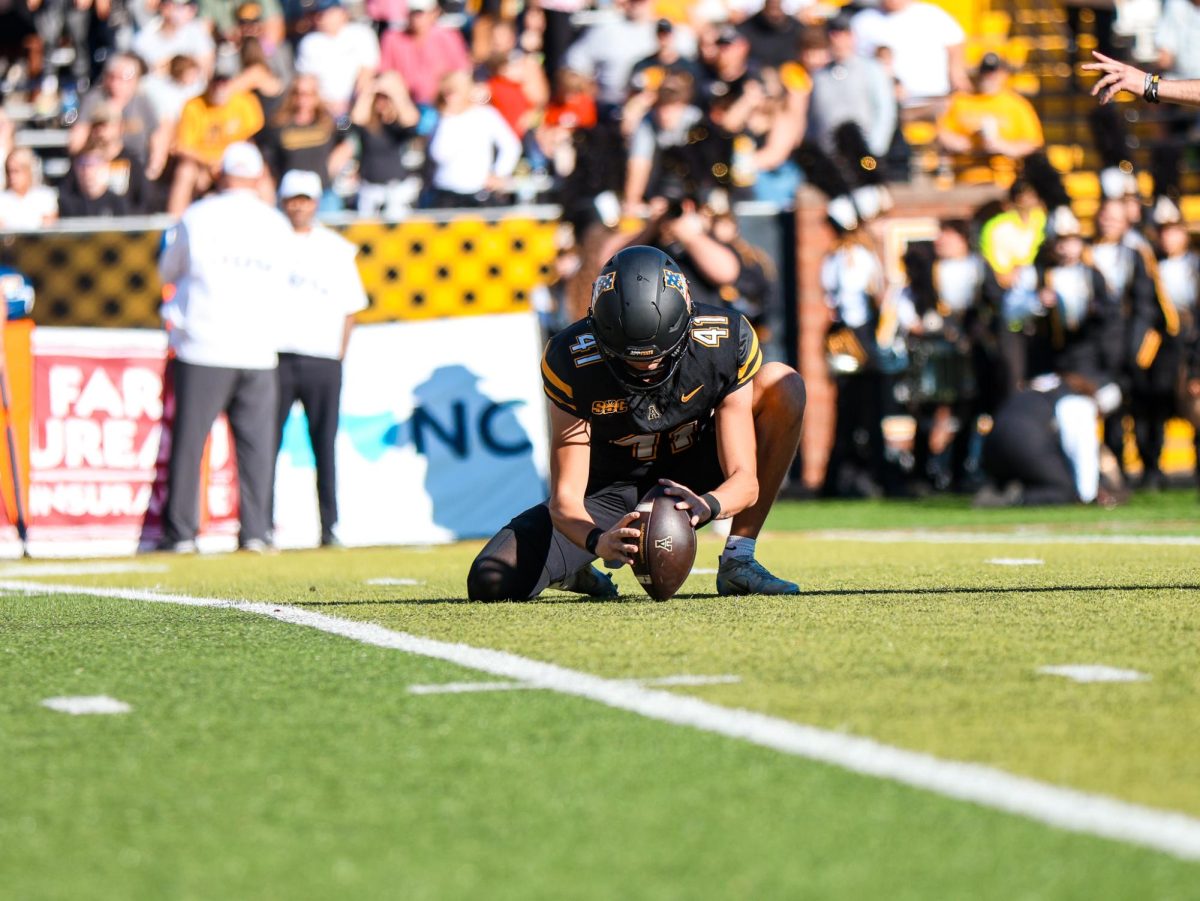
{"x": 87, "y": 192}
{"x": 650, "y": 389}
{"x": 303, "y": 135}
{"x": 648, "y": 73}
{"x": 385, "y": 121}
{"x": 773, "y": 35}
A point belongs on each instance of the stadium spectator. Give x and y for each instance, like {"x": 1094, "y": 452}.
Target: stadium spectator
{"x": 648, "y": 73}
{"x": 228, "y": 259}
{"x": 88, "y": 191}
{"x": 922, "y": 44}
{"x": 127, "y": 177}
{"x": 515, "y": 79}
{"x": 219, "y": 117}
{"x": 850, "y": 90}
{"x": 683, "y": 229}
{"x": 667, "y": 125}
{"x": 1178, "y": 39}
{"x": 385, "y": 121}
{"x": 25, "y": 203}
{"x": 424, "y": 52}
{"x": 324, "y": 292}
{"x": 343, "y": 55}
{"x": 175, "y": 31}
{"x": 259, "y": 78}
{"x": 303, "y": 135}
{"x": 169, "y": 91}
{"x": 772, "y": 35}
{"x": 472, "y": 150}
{"x": 251, "y": 26}
{"x": 608, "y": 51}
{"x": 991, "y": 128}
{"x": 147, "y": 136}
{"x": 231, "y": 19}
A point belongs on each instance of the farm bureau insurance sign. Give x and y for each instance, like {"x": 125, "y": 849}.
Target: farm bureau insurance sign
{"x": 100, "y": 441}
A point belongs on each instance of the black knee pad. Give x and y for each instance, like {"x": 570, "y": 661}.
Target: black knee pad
{"x": 510, "y": 565}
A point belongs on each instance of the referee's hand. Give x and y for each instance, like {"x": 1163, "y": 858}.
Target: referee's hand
{"x": 1116, "y": 77}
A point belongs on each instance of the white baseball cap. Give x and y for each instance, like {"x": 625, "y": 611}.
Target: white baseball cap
{"x": 242, "y": 160}
{"x": 299, "y": 183}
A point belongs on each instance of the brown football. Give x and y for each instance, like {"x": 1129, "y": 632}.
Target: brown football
{"x": 666, "y": 545}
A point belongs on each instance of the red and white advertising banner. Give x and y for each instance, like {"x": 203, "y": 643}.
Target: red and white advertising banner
{"x": 99, "y": 445}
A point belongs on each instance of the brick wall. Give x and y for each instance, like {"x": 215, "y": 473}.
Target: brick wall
{"x": 813, "y": 237}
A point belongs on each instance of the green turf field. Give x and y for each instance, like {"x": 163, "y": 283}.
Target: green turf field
{"x": 268, "y": 759}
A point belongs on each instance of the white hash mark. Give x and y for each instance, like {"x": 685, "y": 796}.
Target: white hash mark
{"x": 87, "y": 704}
{"x": 1015, "y": 561}
{"x": 387, "y": 580}
{"x": 1093, "y": 672}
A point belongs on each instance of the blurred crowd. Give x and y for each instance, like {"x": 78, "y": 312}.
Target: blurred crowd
{"x": 995, "y": 315}
{"x": 408, "y": 103}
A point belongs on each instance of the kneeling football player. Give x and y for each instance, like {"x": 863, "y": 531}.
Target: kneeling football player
{"x": 650, "y": 389}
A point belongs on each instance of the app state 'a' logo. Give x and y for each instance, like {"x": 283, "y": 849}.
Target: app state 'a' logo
{"x": 664, "y": 544}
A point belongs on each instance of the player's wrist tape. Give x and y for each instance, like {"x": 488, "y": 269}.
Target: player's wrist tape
{"x": 714, "y": 506}
{"x": 1150, "y": 88}
{"x": 593, "y": 539}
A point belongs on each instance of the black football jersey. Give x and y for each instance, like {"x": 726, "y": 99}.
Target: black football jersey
{"x": 637, "y": 437}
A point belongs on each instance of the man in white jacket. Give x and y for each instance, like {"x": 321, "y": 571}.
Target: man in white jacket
{"x": 325, "y": 292}
{"x": 228, "y": 259}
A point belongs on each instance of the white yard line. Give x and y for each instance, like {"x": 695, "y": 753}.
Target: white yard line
{"x": 1171, "y": 832}
{"x": 457, "y": 688}
{"x": 389, "y": 580}
{"x": 1015, "y": 561}
{"x": 80, "y": 569}
{"x": 925, "y": 536}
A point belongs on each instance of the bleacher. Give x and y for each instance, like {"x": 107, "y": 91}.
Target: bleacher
{"x": 1046, "y": 58}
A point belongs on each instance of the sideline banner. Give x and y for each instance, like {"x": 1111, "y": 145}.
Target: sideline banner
{"x": 99, "y": 444}
{"x": 443, "y": 435}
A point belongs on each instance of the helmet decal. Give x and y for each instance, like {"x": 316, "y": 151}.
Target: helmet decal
{"x": 677, "y": 281}
{"x": 605, "y": 281}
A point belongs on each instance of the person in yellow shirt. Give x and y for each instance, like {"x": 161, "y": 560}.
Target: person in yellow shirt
{"x": 989, "y": 130}
{"x": 208, "y": 124}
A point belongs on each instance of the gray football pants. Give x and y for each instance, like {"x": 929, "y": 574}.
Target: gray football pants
{"x": 248, "y": 397}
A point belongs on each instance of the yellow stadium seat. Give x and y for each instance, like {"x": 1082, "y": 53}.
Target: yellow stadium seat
{"x": 1189, "y": 206}
{"x": 1082, "y": 186}
{"x": 919, "y": 133}
{"x": 995, "y": 23}
{"x": 1064, "y": 157}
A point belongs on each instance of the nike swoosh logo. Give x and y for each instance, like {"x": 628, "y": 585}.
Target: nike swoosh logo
{"x": 686, "y": 397}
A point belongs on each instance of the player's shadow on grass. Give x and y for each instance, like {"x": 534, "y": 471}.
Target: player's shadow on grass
{"x": 561, "y": 598}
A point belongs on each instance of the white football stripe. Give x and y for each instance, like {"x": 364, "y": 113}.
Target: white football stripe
{"x": 86, "y": 704}
{"x": 1094, "y": 672}
{"x": 1169, "y": 831}
{"x": 925, "y": 536}
{"x": 444, "y": 688}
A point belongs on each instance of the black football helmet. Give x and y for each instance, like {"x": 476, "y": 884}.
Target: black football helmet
{"x": 640, "y": 313}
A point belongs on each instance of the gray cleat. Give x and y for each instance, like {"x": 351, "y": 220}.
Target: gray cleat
{"x": 737, "y": 577}
{"x": 590, "y": 581}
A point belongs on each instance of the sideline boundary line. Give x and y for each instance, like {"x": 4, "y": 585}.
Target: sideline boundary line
{"x": 1168, "y": 831}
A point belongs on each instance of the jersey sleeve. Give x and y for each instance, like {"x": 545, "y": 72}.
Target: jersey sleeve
{"x": 557, "y": 388}
{"x": 750, "y": 356}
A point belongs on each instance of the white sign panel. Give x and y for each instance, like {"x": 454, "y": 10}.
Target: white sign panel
{"x": 442, "y": 435}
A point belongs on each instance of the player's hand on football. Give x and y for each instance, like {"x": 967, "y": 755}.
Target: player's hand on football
{"x": 688, "y": 500}
{"x": 619, "y": 544}
{"x": 1116, "y": 76}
